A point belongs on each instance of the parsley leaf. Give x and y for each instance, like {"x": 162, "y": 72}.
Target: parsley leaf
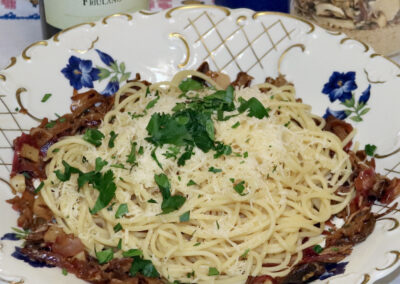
{"x": 244, "y": 255}
{"x": 39, "y": 188}
{"x": 190, "y": 84}
{"x": 132, "y": 155}
{"x": 113, "y": 135}
{"x": 121, "y": 211}
{"x": 170, "y": 203}
{"x": 100, "y": 163}
{"x": 132, "y": 253}
{"x": 143, "y": 266}
{"x": 236, "y": 125}
{"x": 106, "y": 186}
{"x": 318, "y": 249}
{"x": 118, "y": 166}
{"x": 151, "y": 201}
{"x": 239, "y": 188}
{"x": 117, "y": 228}
{"x": 222, "y": 149}
{"x": 370, "y": 149}
{"x": 212, "y": 271}
{"x": 154, "y": 157}
{"x": 255, "y": 108}
{"x": 119, "y": 246}
{"x": 191, "y": 182}
{"x": 104, "y": 256}
{"x": 93, "y": 136}
{"x": 172, "y": 152}
{"x": 68, "y": 170}
{"x": 153, "y": 102}
{"x": 64, "y": 272}
{"x": 196, "y": 244}
{"x": 51, "y": 124}
{"x": 46, "y": 97}
{"x": 185, "y": 156}
{"x": 214, "y": 170}
{"x": 184, "y": 217}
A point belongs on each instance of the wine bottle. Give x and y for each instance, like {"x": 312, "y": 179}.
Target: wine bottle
{"x": 57, "y": 15}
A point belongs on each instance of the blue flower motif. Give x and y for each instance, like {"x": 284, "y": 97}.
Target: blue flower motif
{"x": 333, "y": 269}
{"x": 339, "y": 114}
{"x": 111, "y": 88}
{"x": 80, "y": 73}
{"x": 340, "y": 86}
{"x": 107, "y": 59}
{"x": 365, "y": 96}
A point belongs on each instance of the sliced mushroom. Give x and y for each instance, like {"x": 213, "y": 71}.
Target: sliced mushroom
{"x": 335, "y": 23}
{"x": 326, "y": 9}
{"x": 18, "y": 183}
{"x": 389, "y": 8}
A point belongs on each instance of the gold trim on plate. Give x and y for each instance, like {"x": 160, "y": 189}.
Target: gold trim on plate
{"x": 57, "y": 35}
{"x": 299, "y": 45}
{"x": 387, "y": 58}
{"x": 13, "y": 60}
{"x": 366, "y": 278}
{"x": 267, "y": 13}
{"x": 183, "y": 39}
{"x": 168, "y": 15}
{"x": 38, "y": 43}
{"x": 18, "y": 97}
{"x": 395, "y": 223}
{"x": 397, "y": 254}
{"x": 370, "y": 81}
{"x": 366, "y": 47}
{"x": 21, "y": 281}
{"x": 128, "y": 16}
{"x": 3, "y": 77}
{"x": 82, "y": 51}
{"x": 148, "y": 13}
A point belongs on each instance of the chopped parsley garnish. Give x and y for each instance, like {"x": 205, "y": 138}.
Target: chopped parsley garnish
{"x": 335, "y": 249}
{"x": 144, "y": 267}
{"x": 46, "y": 97}
{"x": 119, "y": 246}
{"x": 196, "y": 244}
{"x": 244, "y": 255}
{"x": 170, "y": 203}
{"x": 217, "y": 224}
{"x": 370, "y": 149}
{"x": 222, "y": 149}
{"x": 212, "y": 271}
{"x": 99, "y": 164}
{"x": 141, "y": 150}
{"x": 121, "y": 211}
{"x": 93, "y": 136}
{"x": 68, "y": 170}
{"x": 246, "y": 154}
{"x": 56, "y": 150}
{"x": 118, "y": 166}
{"x": 62, "y": 120}
{"x": 26, "y": 175}
{"x": 318, "y": 249}
{"x": 191, "y": 182}
{"x": 232, "y": 180}
{"x": 51, "y": 124}
{"x": 151, "y": 201}
{"x": 214, "y": 170}
{"x": 153, "y": 102}
{"x": 110, "y": 208}
{"x": 154, "y": 157}
{"x": 132, "y": 253}
{"x": 117, "y": 228}
{"x": 104, "y": 256}
{"x": 39, "y": 188}
{"x": 190, "y": 274}
{"x": 255, "y": 108}
{"x": 236, "y": 125}
{"x": 287, "y": 124}
{"x": 239, "y": 188}
{"x": 184, "y": 217}
{"x": 190, "y": 85}
{"x": 113, "y": 135}
{"x": 106, "y": 186}
{"x": 132, "y": 155}
{"x": 64, "y": 272}
{"x": 172, "y": 152}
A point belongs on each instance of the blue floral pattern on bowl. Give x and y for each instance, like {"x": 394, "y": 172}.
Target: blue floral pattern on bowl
{"x": 341, "y": 87}
{"x": 82, "y": 74}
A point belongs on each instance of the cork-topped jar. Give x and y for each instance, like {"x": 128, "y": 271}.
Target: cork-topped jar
{"x": 376, "y": 22}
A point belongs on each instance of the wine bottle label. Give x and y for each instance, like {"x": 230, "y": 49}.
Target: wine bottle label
{"x": 65, "y": 13}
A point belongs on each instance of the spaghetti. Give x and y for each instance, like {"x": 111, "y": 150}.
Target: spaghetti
{"x": 252, "y": 210}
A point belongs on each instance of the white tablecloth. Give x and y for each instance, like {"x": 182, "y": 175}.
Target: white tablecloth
{"x": 20, "y": 26}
